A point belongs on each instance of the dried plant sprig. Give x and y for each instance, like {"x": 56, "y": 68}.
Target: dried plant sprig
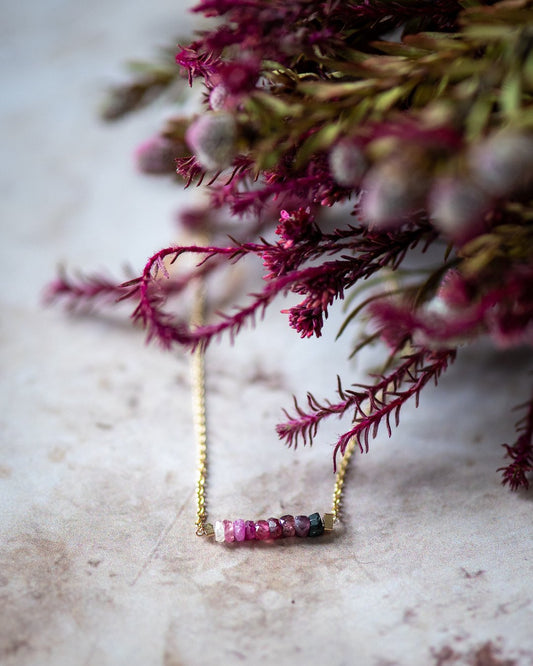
{"x": 371, "y": 404}
{"x": 148, "y": 81}
{"x": 521, "y": 453}
{"x": 284, "y": 261}
{"x": 82, "y": 290}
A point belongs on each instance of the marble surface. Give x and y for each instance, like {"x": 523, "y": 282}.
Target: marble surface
{"x": 99, "y": 563}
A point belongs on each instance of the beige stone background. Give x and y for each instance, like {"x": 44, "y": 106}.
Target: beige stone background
{"x": 99, "y": 563}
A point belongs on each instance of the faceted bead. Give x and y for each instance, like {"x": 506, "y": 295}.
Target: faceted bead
{"x": 274, "y": 526}
{"x": 249, "y": 529}
{"x": 239, "y": 530}
{"x": 287, "y": 525}
{"x": 228, "y": 531}
{"x": 301, "y": 526}
{"x": 316, "y": 526}
{"x": 219, "y": 531}
{"x": 262, "y": 530}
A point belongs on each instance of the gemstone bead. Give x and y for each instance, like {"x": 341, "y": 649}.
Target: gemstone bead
{"x": 219, "y": 531}
{"x": 275, "y": 528}
{"x": 229, "y": 536}
{"x": 287, "y": 525}
{"x": 239, "y": 530}
{"x": 262, "y": 530}
{"x": 301, "y": 526}
{"x": 316, "y": 526}
{"x": 249, "y": 530}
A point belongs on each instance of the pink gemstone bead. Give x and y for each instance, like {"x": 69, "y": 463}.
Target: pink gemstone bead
{"x": 262, "y": 530}
{"x": 275, "y": 529}
{"x": 287, "y": 525}
{"x": 301, "y": 526}
{"x": 239, "y": 530}
{"x": 229, "y": 536}
{"x": 249, "y": 530}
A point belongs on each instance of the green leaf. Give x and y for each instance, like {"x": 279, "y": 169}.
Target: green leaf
{"x": 276, "y": 105}
{"x": 386, "y": 100}
{"x": 327, "y": 91}
{"x": 478, "y": 117}
{"x": 489, "y": 32}
{"x": 399, "y": 49}
{"x": 511, "y": 94}
{"x": 320, "y": 140}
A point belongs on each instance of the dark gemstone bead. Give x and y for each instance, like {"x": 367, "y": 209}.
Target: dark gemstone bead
{"x": 276, "y": 531}
{"x": 316, "y": 526}
{"x": 301, "y": 526}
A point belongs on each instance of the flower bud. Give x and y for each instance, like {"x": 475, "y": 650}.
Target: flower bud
{"x": 347, "y": 164}
{"x": 212, "y": 137}
{"x": 503, "y": 163}
{"x": 457, "y": 208}
{"x": 391, "y": 191}
{"x": 218, "y": 97}
{"x": 158, "y": 155}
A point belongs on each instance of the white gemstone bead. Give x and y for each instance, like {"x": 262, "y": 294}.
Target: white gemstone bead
{"x": 219, "y": 530}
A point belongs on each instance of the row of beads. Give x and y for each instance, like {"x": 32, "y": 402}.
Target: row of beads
{"x": 273, "y": 528}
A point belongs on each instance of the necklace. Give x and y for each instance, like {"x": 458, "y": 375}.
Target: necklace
{"x": 240, "y": 530}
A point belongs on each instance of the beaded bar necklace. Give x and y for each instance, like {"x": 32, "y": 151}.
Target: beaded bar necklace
{"x": 229, "y": 531}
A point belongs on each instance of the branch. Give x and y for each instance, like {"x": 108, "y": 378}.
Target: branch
{"x": 521, "y": 453}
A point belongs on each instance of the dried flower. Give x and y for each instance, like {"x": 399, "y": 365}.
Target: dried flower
{"x": 347, "y": 164}
{"x": 310, "y": 105}
{"x": 212, "y": 137}
{"x": 458, "y": 209}
{"x": 158, "y": 155}
{"x": 503, "y": 163}
{"x": 240, "y": 76}
{"x": 391, "y": 191}
{"x": 218, "y": 97}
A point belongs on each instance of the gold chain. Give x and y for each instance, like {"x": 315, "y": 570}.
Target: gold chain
{"x": 339, "y": 479}
{"x": 203, "y": 528}
{"x": 200, "y": 412}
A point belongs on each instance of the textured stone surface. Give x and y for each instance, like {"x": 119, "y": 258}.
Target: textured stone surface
{"x": 99, "y": 561}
